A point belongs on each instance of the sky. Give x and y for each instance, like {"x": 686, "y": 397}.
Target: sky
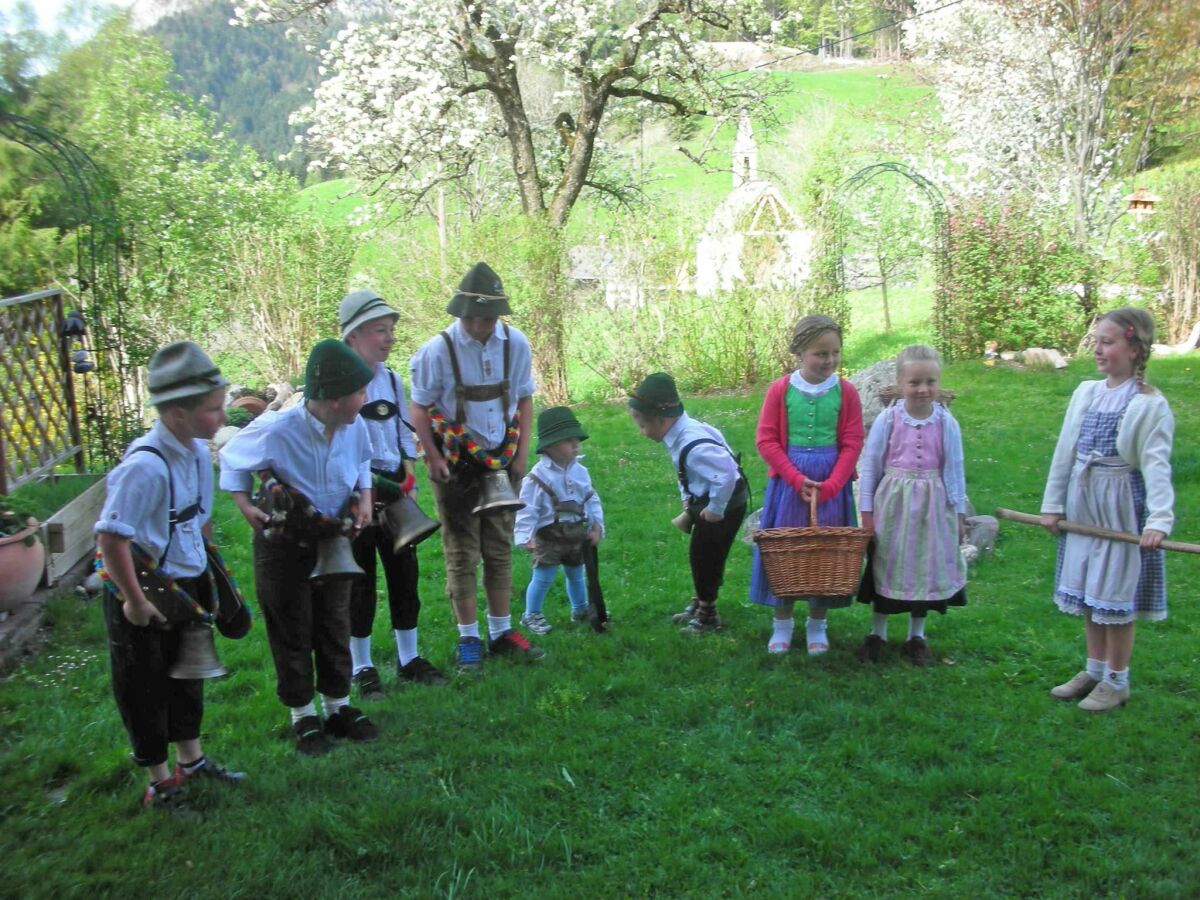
{"x": 49, "y": 13}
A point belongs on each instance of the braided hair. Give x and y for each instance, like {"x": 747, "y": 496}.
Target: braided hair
{"x": 809, "y": 329}
{"x": 1137, "y": 326}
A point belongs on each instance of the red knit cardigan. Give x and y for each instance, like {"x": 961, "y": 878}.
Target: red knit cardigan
{"x": 771, "y": 438}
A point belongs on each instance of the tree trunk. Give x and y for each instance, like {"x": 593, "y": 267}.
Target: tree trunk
{"x": 887, "y": 315}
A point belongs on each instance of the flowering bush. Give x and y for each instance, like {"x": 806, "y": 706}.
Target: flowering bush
{"x": 1010, "y": 279}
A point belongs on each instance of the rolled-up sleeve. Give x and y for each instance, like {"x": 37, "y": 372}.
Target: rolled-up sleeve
{"x": 244, "y": 455}
{"x": 133, "y": 496}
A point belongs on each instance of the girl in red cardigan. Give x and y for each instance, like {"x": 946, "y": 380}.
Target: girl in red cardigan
{"x": 810, "y": 433}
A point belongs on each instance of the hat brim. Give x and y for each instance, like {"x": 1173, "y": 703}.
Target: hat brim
{"x": 463, "y": 306}
{"x": 375, "y": 312}
{"x": 189, "y": 390}
{"x": 563, "y": 433}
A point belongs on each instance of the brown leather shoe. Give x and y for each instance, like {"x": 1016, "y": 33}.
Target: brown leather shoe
{"x": 871, "y": 648}
{"x": 916, "y": 651}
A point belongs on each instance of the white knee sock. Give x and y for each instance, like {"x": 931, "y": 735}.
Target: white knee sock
{"x": 333, "y": 704}
{"x": 360, "y": 654}
{"x": 879, "y": 625}
{"x": 783, "y": 631}
{"x": 406, "y": 645}
{"x": 916, "y": 627}
{"x": 1117, "y": 679}
{"x": 471, "y": 630}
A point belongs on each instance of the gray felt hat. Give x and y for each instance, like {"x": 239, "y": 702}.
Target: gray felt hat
{"x": 181, "y": 369}
{"x": 360, "y": 307}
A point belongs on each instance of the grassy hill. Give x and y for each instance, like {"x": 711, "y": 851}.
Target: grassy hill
{"x": 644, "y": 762}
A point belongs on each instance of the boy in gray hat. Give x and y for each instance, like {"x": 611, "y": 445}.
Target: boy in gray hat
{"x": 159, "y": 498}
{"x": 472, "y": 408}
{"x": 368, "y": 327}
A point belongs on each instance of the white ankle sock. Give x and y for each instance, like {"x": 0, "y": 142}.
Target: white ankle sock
{"x": 1117, "y": 679}
{"x": 406, "y": 645}
{"x": 471, "y": 630}
{"x": 1095, "y": 668}
{"x": 879, "y": 625}
{"x": 783, "y": 631}
{"x": 299, "y": 712}
{"x": 333, "y": 704}
{"x": 360, "y": 653}
{"x": 916, "y": 627}
{"x": 497, "y": 625}
{"x": 814, "y": 630}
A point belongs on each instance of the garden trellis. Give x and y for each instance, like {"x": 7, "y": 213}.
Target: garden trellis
{"x": 111, "y": 391}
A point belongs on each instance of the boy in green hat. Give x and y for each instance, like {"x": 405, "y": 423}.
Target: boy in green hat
{"x": 562, "y": 515}
{"x": 711, "y": 484}
{"x": 161, "y": 501}
{"x": 369, "y": 329}
{"x": 472, "y": 408}
{"x": 319, "y": 449}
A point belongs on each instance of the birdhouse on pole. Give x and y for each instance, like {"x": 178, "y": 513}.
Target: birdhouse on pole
{"x": 1141, "y": 202}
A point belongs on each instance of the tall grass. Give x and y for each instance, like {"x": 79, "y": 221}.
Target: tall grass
{"x": 644, "y": 762}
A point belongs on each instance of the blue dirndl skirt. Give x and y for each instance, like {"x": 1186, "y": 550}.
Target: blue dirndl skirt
{"x": 783, "y": 508}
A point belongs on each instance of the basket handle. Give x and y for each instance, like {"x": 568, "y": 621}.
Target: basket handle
{"x": 812, "y": 508}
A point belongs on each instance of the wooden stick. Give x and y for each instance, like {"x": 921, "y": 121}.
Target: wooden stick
{"x": 1093, "y": 531}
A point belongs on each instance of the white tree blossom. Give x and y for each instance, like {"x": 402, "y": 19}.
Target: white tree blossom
{"x": 417, "y": 93}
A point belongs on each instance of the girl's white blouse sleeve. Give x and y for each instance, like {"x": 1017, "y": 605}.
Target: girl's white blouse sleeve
{"x": 1144, "y": 440}
{"x": 1054, "y": 499}
{"x": 870, "y": 464}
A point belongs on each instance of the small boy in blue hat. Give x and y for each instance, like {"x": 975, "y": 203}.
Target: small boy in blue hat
{"x": 562, "y": 516}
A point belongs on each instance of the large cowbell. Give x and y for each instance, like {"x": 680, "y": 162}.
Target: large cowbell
{"x": 406, "y": 524}
{"x": 197, "y": 654}
{"x": 335, "y": 560}
{"x": 496, "y": 494}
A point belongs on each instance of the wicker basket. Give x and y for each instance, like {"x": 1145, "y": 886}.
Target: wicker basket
{"x": 812, "y": 561}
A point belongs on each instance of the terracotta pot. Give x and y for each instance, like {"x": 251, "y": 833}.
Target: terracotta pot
{"x": 253, "y": 405}
{"x": 21, "y": 567}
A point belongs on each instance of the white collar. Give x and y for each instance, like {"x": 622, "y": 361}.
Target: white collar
{"x": 167, "y": 438}
{"x": 800, "y": 383}
{"x": 459, "y": 333}
{"x": 934, "y": 416}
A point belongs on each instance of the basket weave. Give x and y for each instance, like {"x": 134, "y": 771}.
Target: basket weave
{"x": 812, "y": 561}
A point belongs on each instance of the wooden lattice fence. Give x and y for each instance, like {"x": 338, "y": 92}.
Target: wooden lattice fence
{"x": 39, "y": 419}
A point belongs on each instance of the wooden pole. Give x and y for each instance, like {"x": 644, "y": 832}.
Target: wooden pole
{"x": 1093, "y": 531}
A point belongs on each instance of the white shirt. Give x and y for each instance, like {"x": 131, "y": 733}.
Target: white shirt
{"x": 572, "y": 483}
{"x": 292, "y": 444}
{"x": 389, "y": 436}
{"x": 432, "y": 377}
{"x": 137, "y": 501}
{"x": 804, "y": 386}
{"x": 711, "y": 468}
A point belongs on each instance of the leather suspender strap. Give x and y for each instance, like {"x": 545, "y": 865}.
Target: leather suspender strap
{"x": 504, "y": 379}
{"x": 460, "y": 390}
{"x": 173, "y": 516}
{"x": 545, "y": 487}
{"x": 400, "y": 420}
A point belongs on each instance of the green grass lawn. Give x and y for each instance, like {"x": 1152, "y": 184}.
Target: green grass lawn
{"x": 644, "y": 762}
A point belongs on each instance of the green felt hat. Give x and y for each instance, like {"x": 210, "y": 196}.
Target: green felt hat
{"x": 480, "y": 293}
{"x": 179, "y": 370}
{"x": 556, "y": 424}
{"x": 657, "y": 396}
{"x": 333, "y": 371}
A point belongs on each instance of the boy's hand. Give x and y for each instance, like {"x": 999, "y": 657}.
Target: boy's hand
{"x": 594, "y": 535}
{"x": 1151, "y": 539}
{"x": 709, "y": 516}
{"x": 251, "y": 513}
{"x": 868, "y": 522}
{"x": 962, "y": 528}
{"x": 439, "y": 469}
{"x": 531, "y": 544}
{"x": 141, "y": 612}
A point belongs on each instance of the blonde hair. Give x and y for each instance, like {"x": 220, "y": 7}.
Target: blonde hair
{"x": 1138, "y": 328}
{"x": 809, "y": 329}
{"x": 916, "y": 353}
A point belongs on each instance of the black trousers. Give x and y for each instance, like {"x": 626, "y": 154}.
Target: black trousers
{"x": 156, "y": 709}
{"x": 308, "y": 623}
{"x": 400, "y": 571}
{"x": 709, "y": 550}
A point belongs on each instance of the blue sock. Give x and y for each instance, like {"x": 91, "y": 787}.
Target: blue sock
{"x": 576, "y": 586}
{"x": 539, "y": 584}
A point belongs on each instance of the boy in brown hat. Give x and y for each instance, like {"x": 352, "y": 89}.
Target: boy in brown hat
{"x": 369, "y": 328}
{"x": 319, "y": 450}
{"x": 159, "y": 498}
{"x": 472, "y": 408}
{"x": 711, "y": 484}
{"x": 562, "y": 515}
